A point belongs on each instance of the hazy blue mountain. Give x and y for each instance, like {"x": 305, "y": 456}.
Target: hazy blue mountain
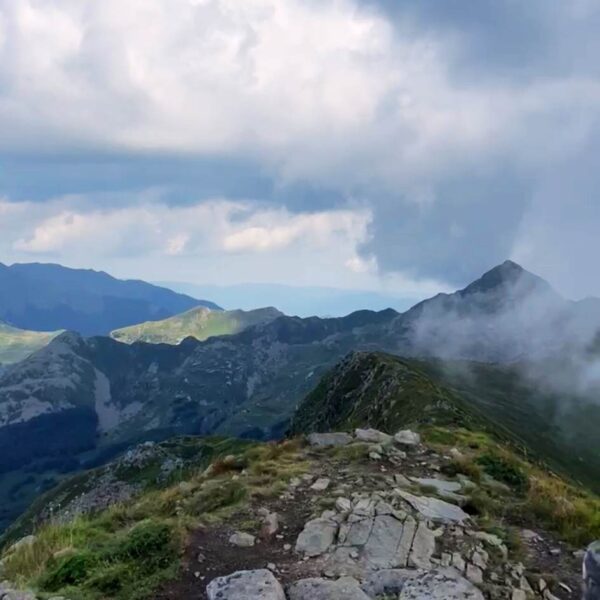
{"x": 48, "y": 297}
{"x": 302, "y": 301}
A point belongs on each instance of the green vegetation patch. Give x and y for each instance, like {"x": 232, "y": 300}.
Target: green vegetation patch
{"x": 533, "y": 495}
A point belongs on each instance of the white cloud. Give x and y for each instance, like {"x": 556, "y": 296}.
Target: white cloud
{"x": 284, "y": 230}
{"x": 322, "y": 90}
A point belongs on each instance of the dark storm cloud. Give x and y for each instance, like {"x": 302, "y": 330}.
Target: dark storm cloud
{"x": 468, "y": 130}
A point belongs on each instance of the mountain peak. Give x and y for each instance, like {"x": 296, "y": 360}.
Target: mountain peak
{"x": 511, "y": 277}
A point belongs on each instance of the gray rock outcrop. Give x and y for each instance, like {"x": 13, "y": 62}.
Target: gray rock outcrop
{"x": 246, "y": 585}
{"x": 329, "y": 440}
{"x": 345, "y": 588}
{"x": 591, "y": 572}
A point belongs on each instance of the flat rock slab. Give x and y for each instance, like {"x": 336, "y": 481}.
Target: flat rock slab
{"x": 246, "y": 585}
{"x": 372, "y": 436}
{"x": 419, "y": 584}
{"x": 441, "y": 584}
{"x": 345, "y": 588}
{"x": 329, "y": 440}
{"x": 441, "y": 485}
{"x": 406, "y": 437}
{"x": 316, "y": 537}
{"x": 434, "y": 509}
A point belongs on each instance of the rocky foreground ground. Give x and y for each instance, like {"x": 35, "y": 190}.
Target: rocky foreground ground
{"x": 395, "y": 528}
{"x": 366, "y": 516}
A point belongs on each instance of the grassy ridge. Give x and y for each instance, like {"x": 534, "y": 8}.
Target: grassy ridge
{"x": 200, "y": 323}
{"x": 126, "y": 551}
{"x": 17, "y": 344}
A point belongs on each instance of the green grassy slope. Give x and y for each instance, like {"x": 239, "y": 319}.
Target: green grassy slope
{"x": 17, "y": 344}
{"x": 200, "y": 323}
{"x": 387, "y": 392}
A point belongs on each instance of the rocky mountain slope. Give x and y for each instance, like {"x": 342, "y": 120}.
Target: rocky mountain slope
{"x": 110, "y": 395}
{"x": 449, "y": 513}
{"x": 200, "y": 323}
{"x": 47, "y": 297}
{"x": 384, "y": 391}
{"x": 17, "y": 344}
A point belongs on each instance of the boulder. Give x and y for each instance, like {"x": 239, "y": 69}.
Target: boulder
{"x": 270, "y": 525}
{"x": 439, "y": 584}
{"x": 242, "y": 540}
{"x": 329, "y": 440}
{"x": 591, "y": 572}
{"x": 321, "y": 484}
{"x": 434, "y": 509}
{"x": 316, "y": 537}
{"x": 406, "y": 437}
{"x": 246, "y": 585}
{"x": 345, "y": 588}
{"x": 419, "y": 584}
{"x": 372, "y": 436}
{"x": 423, "y": 547}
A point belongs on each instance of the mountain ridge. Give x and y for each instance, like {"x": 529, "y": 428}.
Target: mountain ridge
{"x": 199, "y": 322}
{"x": 250, "y": 383}
{"x": 49, "y": 297}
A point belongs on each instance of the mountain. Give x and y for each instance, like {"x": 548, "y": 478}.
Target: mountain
{"x": 17, "y": 344}
{"x": 507, "y": 315}
{"x": 48, "y": 297}
{"x": 360, "y": 513}
{"x": 109, "y": 395}
{"x": 387, "y": 392}
{"x": 200, "y": 323}
{"x": 302, "y": 301}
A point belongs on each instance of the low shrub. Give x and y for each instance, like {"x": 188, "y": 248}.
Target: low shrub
{"x": 216, "y": 494}
{"x": 505, "y": 469}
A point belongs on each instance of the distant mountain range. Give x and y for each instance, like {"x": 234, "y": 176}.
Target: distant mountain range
{"x": 302, "y": 301}
{"x": 47, "y": 297}
{"x": 108, "y": 394}
{"x": 200, "y": 323}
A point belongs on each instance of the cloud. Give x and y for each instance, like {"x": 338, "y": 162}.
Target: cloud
{"x": 445, "y": 123}
{"x": 238, "y": 241}
{"x": 285, "y": 229}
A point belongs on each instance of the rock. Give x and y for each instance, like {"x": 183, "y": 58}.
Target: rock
{"x": 591, "y": 572}
{"x": 437, "y": 584}
{"x": 343, "y": 505}
{"x": 372, "y": 436}
{"x": 270, "y": 525}
{"x": 316, "y": 537}
{"x": 458, "y": 562}
{"x": 345, "y": 588}
{"x": 387, "y": 582}
{"x": 423, "y": 547}
{"x": 242, "y": 540}
{"x": 530, "y": 536}
{"x": 434, "y": 509}
{"x": 329, "y": 440}
{"x": 518, "y": 595}
{"x": 320, "y": 485}
{"x": 374, "y": 456}
{"x": 246, "y": 585}
{"x": 440, "y": 485}
{"x": 402, "y": 481}
{"x": 380, "y": 550}
{"x": 479, "y": 560}
{"x": 407, "y": 438}
{"x": 474, "y": 573}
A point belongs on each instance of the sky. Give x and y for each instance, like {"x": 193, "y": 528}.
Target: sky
{"x": 398, "y": 146}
